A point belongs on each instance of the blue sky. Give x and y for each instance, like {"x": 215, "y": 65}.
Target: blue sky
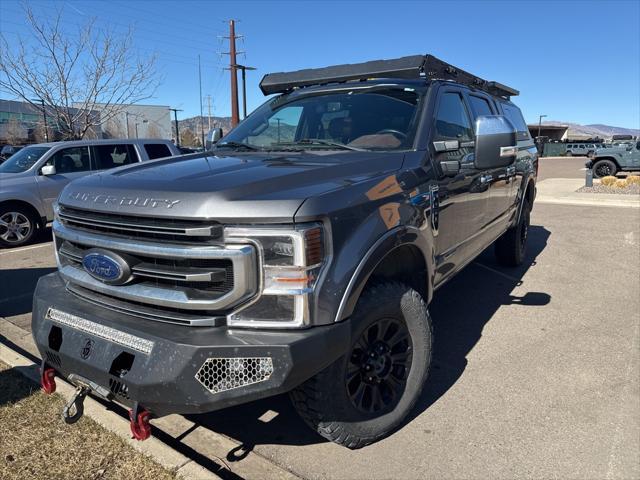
{"x": 575, "y": 61}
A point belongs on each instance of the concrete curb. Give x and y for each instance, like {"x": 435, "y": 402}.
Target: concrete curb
{"x": 562, "y": 191}
{"x": 154, "y": 448}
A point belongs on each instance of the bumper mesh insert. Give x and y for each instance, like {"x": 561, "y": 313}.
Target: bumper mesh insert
{"x": 222, "y": 374}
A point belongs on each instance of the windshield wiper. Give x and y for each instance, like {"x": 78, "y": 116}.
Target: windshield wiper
{"x": 232, "y": 144}
{"x": 329, "y": 143}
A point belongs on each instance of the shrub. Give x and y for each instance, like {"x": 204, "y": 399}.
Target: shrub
{"x": 633, "y": 179}
{"x": 621, "y": 183}
{"x": 608, "y": 181}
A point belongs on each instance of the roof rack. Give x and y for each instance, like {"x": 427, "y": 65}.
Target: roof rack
{"x": 412, "y": 67}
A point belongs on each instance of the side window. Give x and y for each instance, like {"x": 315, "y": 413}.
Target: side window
{"x": 515, "y": 117}
{"x": 452, "y": 120}
{"x": 480, "y": 106}
{"x": 71, "y": 160}
{"x": 157, "y": 150}
{"x": 111, "y": 156}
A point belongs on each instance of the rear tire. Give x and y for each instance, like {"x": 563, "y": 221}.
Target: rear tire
{"x": 511, "y": 247}
{"x": 17, "y": 226}
{"x": 366, "y": 394}
{"x": 604, "y": 168}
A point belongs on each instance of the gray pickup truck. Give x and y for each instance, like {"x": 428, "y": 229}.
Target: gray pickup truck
{"x": 32, "y": 178}
{"x": 299, "y": 255}
{"x": 610, "y": 161}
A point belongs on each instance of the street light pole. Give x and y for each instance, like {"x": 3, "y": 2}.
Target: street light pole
{"x": 44, "y": 115}
{"x": 244, "y": 69}
{"x": 540, "y": 124}
{"x": 175, "y": 116}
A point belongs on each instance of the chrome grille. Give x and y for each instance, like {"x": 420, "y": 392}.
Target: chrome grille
{"x": 173, "y": 282}
{"x": 163, "y": 230}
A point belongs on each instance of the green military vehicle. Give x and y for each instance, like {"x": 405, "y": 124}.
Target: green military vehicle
{"x": 610, "y": 161}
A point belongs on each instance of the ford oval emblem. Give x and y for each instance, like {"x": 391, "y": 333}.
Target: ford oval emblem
{"x": 106, "y": 266}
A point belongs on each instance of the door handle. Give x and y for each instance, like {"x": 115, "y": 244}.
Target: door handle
{"x": 509, "y": 151}
{"x": 486, "y": 179}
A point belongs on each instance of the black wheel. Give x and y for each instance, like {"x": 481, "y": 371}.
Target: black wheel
{"x": 17, "y": 226}
{"x": 366, "y": 394}
{"x": 604, "y": 168}
{"x": 511, "y": 247}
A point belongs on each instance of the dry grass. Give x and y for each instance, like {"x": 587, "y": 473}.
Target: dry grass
{"x": 36, "y": 444}
{"x": 608, "y": 181}
{"x": 620, "y": 183}
{"x": 633, "y": 179}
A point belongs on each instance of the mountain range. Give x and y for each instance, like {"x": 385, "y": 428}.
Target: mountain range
{"x": 593, "y": 130}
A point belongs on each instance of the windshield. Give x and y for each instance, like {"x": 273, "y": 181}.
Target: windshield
{"x": 23, "y": 160}
{"x": 377, "y": 118}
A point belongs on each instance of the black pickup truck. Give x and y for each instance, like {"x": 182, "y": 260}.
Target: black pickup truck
{"x": 299, "y": 255}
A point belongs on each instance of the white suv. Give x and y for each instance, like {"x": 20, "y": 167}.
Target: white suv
{"x": 32, "y": 179}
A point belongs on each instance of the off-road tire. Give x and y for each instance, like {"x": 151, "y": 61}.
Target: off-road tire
{"x": 604, "y": 168}
{"x": 22, "y": 217}
{"x": 511, "y": 247}
{"x": 324, "y": 401}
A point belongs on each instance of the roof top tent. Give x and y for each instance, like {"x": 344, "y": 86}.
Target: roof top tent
{"x": 412, "y": 67}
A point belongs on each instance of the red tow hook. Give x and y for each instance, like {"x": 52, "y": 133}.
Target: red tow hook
{"x": 140, "y": 426}
{"x": 48, "y": 380}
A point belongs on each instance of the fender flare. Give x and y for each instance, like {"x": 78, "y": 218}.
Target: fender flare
{"x": 529, "y": 181}
{"x": 392, "y": 239}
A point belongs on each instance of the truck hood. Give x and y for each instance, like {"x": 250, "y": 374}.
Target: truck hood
{"x": 240, "y": 187}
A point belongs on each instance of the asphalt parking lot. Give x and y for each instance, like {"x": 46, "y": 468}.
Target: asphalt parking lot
{"x": 536, "y": 370}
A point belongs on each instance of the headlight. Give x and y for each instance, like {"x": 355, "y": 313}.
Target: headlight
{"x": 292, "y": 260}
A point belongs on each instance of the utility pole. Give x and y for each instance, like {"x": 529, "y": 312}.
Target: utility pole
{"x": 200, "y": 83}
{"x": 44, "y": 115}
{"x": 209, "y": 104}
{"x": 244, "y": 69}
{"x": 233, "y": 67}
{"x": 175, "y": 116}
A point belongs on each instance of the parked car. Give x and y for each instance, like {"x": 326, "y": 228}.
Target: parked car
{"x": 581, "y": 149}
{"x": 31, "y": 179}
{"x": 7, "y": 151}
{"x": 610, "y": 161}
{"x": 299, "y": 255}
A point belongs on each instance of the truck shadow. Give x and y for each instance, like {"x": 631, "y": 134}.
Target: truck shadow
{"x": 18, "y": 285}
{"x": 458, "y": 327}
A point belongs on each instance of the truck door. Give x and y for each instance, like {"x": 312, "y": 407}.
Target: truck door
{"x": 500, "y": 179}
{"x": 70, "y": 163}
{"x": 462, "y": 195}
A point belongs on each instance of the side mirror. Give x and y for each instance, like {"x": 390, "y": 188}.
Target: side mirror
{"x": 496, "y": 142}
{"x": 214, "y": 135}
{"x": 48, "y": 170}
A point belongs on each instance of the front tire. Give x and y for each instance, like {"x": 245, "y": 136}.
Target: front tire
{"x": 604, "y": 168}
{"x": 366, "y": 394}
{"x": 17, "y": 226}
{"x": 511, "y": 247}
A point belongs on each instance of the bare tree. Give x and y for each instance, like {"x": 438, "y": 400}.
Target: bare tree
{"x": 85, "y": 79}
{"x": 14, "y": 132}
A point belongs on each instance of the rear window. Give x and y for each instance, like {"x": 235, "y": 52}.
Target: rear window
{"x": 111, "y": 156}
{"x": 480, "y": 106}
{"x": 157, "y": 150}
{"x": 515, "y": 116}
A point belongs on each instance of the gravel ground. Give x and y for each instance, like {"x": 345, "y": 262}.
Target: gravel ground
{"x": 628, "y": 190}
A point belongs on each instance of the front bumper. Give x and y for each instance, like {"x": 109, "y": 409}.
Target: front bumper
{"x": 163, "y": 380}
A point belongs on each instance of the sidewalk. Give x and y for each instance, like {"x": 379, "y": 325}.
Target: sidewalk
{"x": 563, "y": 191}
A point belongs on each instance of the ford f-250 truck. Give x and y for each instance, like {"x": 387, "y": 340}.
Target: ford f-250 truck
{"x": 299, "y": 255}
